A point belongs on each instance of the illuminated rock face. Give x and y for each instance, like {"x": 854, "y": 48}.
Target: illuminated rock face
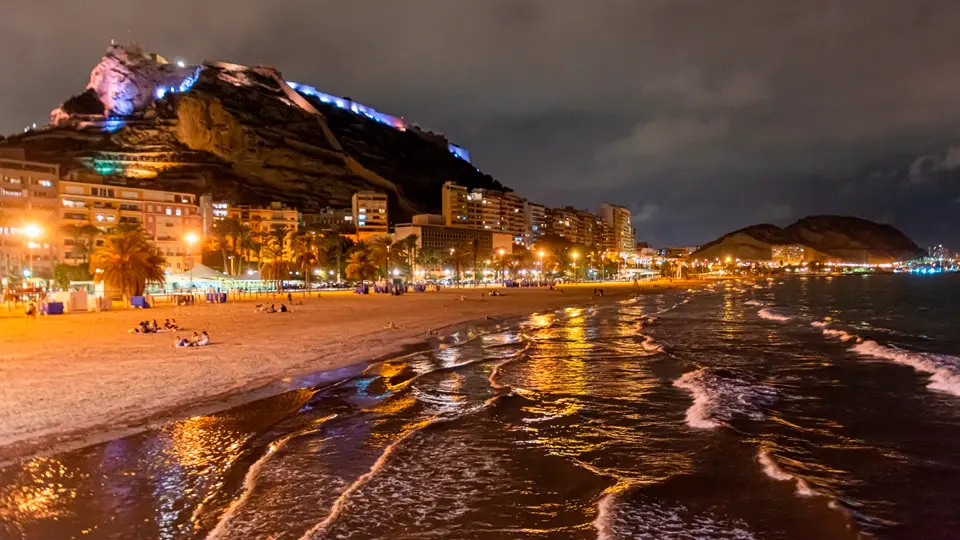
{"x": 127, "y": 80}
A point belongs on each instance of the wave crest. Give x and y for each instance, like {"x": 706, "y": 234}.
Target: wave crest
{"x": 721, "y": 394}
{"x": 944, "y": 370}
{"x": 770, "y": 315}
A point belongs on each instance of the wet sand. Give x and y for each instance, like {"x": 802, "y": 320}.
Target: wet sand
{"x": 79, "y": 379}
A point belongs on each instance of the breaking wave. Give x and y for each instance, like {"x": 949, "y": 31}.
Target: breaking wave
{"x": 944, "y": 370}
{"x": 819, "y": 324}
{"x": 773, "y": 470}
{"x": 721, "y": 394}
{"x": 650, "y": 345}
{"x": 770, "y": 315}
{"x": 753, "y": 303}
{"x": 650, "y": 519}
{"x": 839, "y": 334}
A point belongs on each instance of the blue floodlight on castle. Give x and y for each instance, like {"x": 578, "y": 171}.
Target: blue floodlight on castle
{"x": 188, "y": 83}
{"x": 113, "y": 124}
{"x": 461, "y": 153}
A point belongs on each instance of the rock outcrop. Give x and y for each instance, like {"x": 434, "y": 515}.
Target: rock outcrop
{"x": 240, "y": 133}
{"x": 835, "y": 238}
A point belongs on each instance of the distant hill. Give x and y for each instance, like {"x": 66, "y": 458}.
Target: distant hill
{"x": 840, "y": 238}
{"x": 241, "y": 133}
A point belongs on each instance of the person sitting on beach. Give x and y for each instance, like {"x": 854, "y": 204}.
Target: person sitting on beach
{"x": 173, "y": 324}
{"x": 204, "y": 339}
{"x": 283, "y": 308}
{"x": 272, "y": 309}
{"x": 154, "y": 327}
{"x": 181, "y": 342}
{"x": 194, "y": 338}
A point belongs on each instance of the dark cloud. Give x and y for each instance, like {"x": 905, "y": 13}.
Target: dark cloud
{"x": 700, "y": 115}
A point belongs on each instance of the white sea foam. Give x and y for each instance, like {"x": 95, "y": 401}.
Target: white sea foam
{"x": 620, "y": 516}
{"x": 753, "y": 303}
{"x": 944, "y": 370}
{"x": 819, "y": 324}
{"x": 250, "y": 479}
{"x": 650, "y": 345}
{"x": 604, "y": 520}
{"x": 772, "y": 316}
{"x": 721, "y": 394}
{"x": 839, "y": 334}
{"x": 773, "y": 470}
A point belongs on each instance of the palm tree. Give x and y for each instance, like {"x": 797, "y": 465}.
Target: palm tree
{"x": 361, "y": 266}
{"x": 380, "y": 252}
{"x": 223, "y": 230}
{"x": 127, "y": 261}
{"x": 429, "y": 258}
{"x": 335, "y": 245}
{"x": 304, "y": 257}
{"x": 82, "y": 237}
{"x": 459, "y": 257}
{"x": 476, "y": 253}
{"x": 274, "y": 265}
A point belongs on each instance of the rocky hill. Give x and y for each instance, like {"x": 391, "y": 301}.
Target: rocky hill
{"x": 838, "y": 238}
{"x": 241, "y": 133}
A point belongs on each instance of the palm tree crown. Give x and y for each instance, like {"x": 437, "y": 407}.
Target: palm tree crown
{"x": 127, "y": 261}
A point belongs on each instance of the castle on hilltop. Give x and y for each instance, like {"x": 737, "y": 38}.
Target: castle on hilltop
{"x": 128, "y": 80}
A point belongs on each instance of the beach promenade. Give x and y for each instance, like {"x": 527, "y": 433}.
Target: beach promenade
{"x": 75, "y": 379}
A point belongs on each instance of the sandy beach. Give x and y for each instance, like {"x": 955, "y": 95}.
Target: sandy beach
{"x": 77, "y": 379}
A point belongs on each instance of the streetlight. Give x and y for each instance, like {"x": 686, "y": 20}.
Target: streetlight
{"x": 31, "y": 232}
{"x": 574, "y": 256}
{"x": 456, "y": 261}
{"x": 191, "y": 238}
{"x": 540, "y": 281}
{"x": 500, "y": 252}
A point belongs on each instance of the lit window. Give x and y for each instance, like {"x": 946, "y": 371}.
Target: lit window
{"x": 179, "y": 212}
{"x": 169, "y": 212}
{"x": 46, "y": 183}
{"x": 99, "y": 217}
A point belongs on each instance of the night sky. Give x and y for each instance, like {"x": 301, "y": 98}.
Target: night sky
{"x": 700, "y": 116}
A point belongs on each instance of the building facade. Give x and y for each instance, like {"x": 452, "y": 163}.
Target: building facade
{"x": 441, "y": 238}
{"x": 618, "y": 219}
{"x": 28, "y": 216}
{"x": 455, "y": 204}
{"x": 370, "y": 216}
{"x": 330, "y": 219}
{"x": 263, "y": 219}
{"x": 166, "y": 216}
{"x": 789, "y": 254}
{"x": 535, "y": 222}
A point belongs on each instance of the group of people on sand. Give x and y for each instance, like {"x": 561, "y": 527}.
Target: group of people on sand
{"x": 148, "y": 327}
{"x": 271, "y": 308}
{"x": 196, "y": 340}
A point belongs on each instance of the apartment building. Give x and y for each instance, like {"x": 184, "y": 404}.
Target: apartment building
{"x": 370, "y": 214}
{"x": 262, "y": 219}
{"x": 28, "y": 207}
{"x": 618, "y": 219}
{"x": 166, "y": 216}
{"x": 330, "y": 219}
{"x": 535, "y": 221}
{"x": 455, "y": 204}
{"x": 441, "y": 238}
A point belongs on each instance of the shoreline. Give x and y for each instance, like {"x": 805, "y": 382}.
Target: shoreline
{"x": 307, "y": 362}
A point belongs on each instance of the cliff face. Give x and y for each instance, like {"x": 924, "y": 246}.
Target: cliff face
{"x": 239, "y": 132}
{"x": 840, "y": 238}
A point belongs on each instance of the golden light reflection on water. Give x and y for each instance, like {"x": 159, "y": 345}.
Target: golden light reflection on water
{"x": 44, "y": 490}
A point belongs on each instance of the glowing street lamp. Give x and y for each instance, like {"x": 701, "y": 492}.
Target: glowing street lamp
{"x": 191, "y": 238}
{"x": 31, "y": 231}
{"x": 574, "y": 256}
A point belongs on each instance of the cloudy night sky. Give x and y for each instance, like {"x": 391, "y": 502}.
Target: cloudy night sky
{"x": 700, "y": 116}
